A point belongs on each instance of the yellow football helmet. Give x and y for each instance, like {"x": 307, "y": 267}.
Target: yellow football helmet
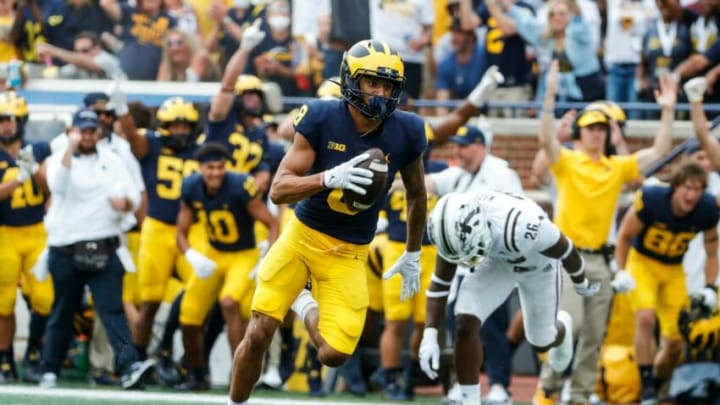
{"x": 330, "y": 88}
{"x": 14, "y": 107}
{"x": 375, "y": 59}
{"x": 249, "y": 84}
{"x": 611, "y": 109}
{"x": 11, "y": 104}
{"x": 177, "y": 109}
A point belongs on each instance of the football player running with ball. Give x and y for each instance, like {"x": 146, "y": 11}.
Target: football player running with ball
{"x": 507, "y": 241}
{"x": 327, "y": 241}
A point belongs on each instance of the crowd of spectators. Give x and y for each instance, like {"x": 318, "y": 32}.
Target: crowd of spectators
{"x": 609, "y": 49}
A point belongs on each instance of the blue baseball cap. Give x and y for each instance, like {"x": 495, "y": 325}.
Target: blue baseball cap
{"x": 467, "y": 135}
{"x": 96, "y": 99}
{"x": 85, "y": 118}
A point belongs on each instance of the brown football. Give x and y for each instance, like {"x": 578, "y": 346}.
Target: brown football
{"x": 378, "y": 165}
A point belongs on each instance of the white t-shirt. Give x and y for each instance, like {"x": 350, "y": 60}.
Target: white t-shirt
{"x": 494, "y": 174}
{"x": 627, "y": 22}
{"x": 121, "y": 147}
{"x": 398, "y": 21}
{"x": 80, "y": 208}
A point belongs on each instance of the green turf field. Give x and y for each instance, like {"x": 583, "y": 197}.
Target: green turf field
{"x": 31, "y": 395}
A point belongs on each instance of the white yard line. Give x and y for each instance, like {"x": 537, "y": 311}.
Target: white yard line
{"x": 160, "y": 397}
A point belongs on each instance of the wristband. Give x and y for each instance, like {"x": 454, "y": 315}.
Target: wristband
{"x": 437, "y": 294}
{"x": 568, "y": 250}
{"x": 435, "y": 279}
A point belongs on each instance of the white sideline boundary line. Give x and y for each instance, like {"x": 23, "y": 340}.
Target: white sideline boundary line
{"x": 159, "y": 397}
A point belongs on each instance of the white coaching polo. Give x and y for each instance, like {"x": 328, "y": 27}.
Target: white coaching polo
{"x": 80, "y": 206}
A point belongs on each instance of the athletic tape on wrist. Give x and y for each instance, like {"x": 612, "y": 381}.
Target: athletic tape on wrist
{"x": 437, "y": 294}
{"x": 568, "y": 250}
{"x": 435, "y": 279}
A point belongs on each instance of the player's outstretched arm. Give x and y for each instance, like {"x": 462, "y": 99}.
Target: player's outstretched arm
{"x": 470, "y": 107}
{"x": 695, "y": 90}
{"x": 223, "y": 101}
{"x": 666, "y": 98}
{"x": 573, "y": 264}
{"x": 408, "y": 265}
{"x": 183, "y": 222}
{"x": 437, "y": 294}
{"x": 118, "y": 103}
{"x": 630, "y": 227}
{"x": 710, "y": 239}
{"x": 546, "y": 136}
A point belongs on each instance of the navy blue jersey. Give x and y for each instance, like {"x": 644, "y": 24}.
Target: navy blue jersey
{"x": 328, "y": 127}
{"x": 246, "y": 146}
{"x": 229, "y": 226}
{"x": 661, "y": 62}
{"x": 26, "y": 204}
{"x": 163, "y": 170}
{"x": 666, "y": 237}
{"x": 228, "y": 44}
{"x": 713, "y": 54}
{"x": 395, "y": 207}
{"x": 508, "y": 53}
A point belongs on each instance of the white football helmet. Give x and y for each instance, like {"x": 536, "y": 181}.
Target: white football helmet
{"x": 458, "y": 227}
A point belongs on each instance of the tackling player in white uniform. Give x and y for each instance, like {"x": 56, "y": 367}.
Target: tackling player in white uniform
{"x": 509, "y": 242}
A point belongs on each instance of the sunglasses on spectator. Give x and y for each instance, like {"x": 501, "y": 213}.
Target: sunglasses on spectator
{"x": 105, "y": 112}
{"x": 84, "y": 50}
{"x": 171, "y": 43}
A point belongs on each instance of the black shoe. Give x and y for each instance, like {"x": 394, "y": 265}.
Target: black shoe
{"x": 166, "y": 371}
{"x": 649, "y": 396}
{"x": 138, "y": 372}
{"x": 31, "y": 366}
{"x": 7, "y": 373}
{"x": 105, "y": 378}
{"x": 351, "y": 373}
{"x": 193, "y": 383}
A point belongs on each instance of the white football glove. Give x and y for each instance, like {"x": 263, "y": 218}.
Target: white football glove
{"x": 622, "y": 282}
{"x": 252, "y": 36}
{"x": 429, "y": 354}
{"x": 203, "y": 266}
{"x": 347, "y": 176}
{"x": 709, "y": 297}
{"x": 26, "y": 163}
{"x": 40, "y": 268}
{"x": 586, "y": 288}
{"x": 408, "y": 265}
{"x": 117, "y": 99}
{"x": 695, "y": 89}
{"x": 489, "y": 82}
